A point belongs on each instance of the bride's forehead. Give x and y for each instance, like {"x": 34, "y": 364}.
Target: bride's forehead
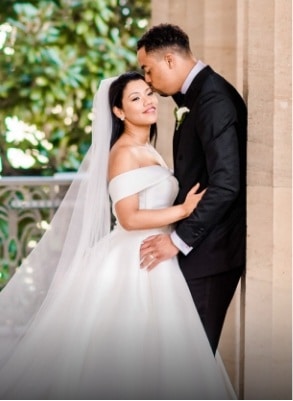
{"x": 136, "y": 86}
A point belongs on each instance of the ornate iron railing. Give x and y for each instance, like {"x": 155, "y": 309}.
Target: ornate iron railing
{"x": 27, "y": 204}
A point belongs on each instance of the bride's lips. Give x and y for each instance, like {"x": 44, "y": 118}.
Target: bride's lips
{"x": 150, "y": 110}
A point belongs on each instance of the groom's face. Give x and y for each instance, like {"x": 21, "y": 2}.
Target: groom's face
{"x": 159, "y": 72}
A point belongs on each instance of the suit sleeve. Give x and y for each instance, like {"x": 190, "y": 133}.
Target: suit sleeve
{"x": 215, "y": 119}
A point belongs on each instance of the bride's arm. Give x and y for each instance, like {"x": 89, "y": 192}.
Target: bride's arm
{"x": 132, "y": 218}
{"x": 124, "y": 159}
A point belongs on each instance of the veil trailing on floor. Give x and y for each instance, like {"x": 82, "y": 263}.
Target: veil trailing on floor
{"x": 82, "y": 219}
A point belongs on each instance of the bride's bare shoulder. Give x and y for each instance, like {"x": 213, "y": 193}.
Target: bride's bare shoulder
{"x": 122, "y": 158}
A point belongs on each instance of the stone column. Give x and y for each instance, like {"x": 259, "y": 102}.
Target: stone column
{"x": 267, "y": 352}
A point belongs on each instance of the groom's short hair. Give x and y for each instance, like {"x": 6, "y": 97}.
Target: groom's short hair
{"x": 162, "y": 36}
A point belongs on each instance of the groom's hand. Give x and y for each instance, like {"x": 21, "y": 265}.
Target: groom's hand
{"x": 155, "y": 249}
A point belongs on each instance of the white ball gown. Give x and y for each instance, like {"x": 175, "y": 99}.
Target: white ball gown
{"x": 116, "y": 331}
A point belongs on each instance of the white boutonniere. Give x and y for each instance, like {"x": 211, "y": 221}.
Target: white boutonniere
{"x": 180, "y": 115}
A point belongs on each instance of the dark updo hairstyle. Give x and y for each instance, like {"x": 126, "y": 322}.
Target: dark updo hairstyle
{"x": 115, "y": 99}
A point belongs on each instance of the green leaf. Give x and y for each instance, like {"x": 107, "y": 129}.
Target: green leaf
{"x": 82, "y": 28}
{"x": 26, "y": 9}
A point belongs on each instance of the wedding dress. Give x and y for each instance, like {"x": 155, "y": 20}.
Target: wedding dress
{"x": 117, "y": 331}
{"x": 81, "y": 320}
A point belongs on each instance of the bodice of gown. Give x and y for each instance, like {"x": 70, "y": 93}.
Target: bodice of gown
{"x": 155, "y": 185}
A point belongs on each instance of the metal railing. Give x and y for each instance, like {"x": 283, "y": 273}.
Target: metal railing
{"x": 27, "y": 204}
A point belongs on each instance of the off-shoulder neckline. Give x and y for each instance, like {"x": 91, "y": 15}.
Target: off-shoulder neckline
{"x": 136, "y": 169}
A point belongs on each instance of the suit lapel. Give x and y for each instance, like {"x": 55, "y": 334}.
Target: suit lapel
{"x": 188, "y": 100}
{"x": 178, "y": 99}
{"x": 196, "y": 86}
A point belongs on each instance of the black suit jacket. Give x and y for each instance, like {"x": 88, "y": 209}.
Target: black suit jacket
{"x": 209, "y": 147}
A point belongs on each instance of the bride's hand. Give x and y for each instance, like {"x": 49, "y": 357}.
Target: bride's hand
{"x": 192, "y": 199}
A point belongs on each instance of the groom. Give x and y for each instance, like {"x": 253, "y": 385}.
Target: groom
{"x": 209, "y": 147}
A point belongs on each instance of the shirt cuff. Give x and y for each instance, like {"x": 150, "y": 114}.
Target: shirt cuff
{"x": 181, "y": 245}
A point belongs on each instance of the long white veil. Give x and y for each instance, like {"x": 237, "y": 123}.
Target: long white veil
{"x": 82, "y": 219}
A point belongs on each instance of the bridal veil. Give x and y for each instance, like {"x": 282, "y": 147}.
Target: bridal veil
{"x": 82, "y": 219}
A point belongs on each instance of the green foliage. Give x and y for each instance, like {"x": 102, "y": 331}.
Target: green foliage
{"x": 52, "y": 58}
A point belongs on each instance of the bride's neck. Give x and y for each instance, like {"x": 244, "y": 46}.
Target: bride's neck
{"x": 138, "y": 137}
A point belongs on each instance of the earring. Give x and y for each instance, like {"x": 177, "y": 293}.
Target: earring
{"x": 122, "y": 118}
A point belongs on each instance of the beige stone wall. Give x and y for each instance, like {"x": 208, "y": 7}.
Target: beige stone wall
{"x": 268, "y": 281}
{"x": 249, "y": 42}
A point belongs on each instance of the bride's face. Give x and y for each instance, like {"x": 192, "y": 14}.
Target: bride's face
{"x": 139, "y": 103}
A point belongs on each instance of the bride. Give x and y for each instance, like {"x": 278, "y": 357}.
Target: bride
{"x": 80, "y": 319}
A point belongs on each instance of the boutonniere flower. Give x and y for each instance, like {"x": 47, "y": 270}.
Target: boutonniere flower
{"x": 180, "y": 114}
